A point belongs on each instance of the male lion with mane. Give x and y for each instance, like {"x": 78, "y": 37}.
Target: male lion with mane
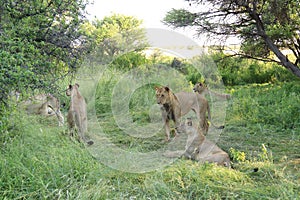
{"x": 174, "y": 106}
{"x": 77, "y": 114}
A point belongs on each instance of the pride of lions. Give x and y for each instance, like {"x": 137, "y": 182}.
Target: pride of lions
{"x": 48, "y": 105}
{"x": 173, "y": 107}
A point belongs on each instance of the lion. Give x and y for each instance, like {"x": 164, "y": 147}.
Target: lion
{"x": 77, "y": 114}
{"x": 174, "y": 106}
{"x": 202, "y": 89}
{"x": 199, "y": 148}
{"x": 45, "y": 105}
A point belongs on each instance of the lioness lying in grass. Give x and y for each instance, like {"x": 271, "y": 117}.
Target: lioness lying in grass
{"x": 45, "y": 105}
{"x": 199, "y": 148}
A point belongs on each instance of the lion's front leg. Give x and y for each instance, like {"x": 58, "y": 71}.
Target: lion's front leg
{"x": 71, "y": 122}
{"x": 166, "y": 123}
{"x": 176, "y": 118}
{"x": 177, "y": 124}
{"x": 167, "y": 128}
{"x": 201, "y": 115}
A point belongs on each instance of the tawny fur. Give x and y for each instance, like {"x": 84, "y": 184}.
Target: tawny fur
{"x": 77, "y": 114}
{"x": 174, "y": 106}
{"x": 202, "y": 89}
{"x": 199, "y": 148}
{"x": 45, "y": 105}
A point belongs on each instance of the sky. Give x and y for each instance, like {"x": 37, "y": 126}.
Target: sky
{"x": 150, "y": 11}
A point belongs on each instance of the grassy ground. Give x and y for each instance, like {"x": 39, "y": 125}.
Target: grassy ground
{"x": 41, "y": 162}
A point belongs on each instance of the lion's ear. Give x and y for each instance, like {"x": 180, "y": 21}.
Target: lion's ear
{"x": 77, "y": 84}
{"x": 167, "y": 88}
{"x": 70, "y": 87}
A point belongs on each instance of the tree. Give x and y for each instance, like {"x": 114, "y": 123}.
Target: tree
{"x": 262, "y": 26}
{"x": 115, "y": 35}
{"x": 40, "y": 43}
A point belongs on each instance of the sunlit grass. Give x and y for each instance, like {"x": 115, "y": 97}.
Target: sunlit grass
{"x": 42, "y": 162}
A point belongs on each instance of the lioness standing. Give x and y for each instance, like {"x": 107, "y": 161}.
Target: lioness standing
{"x": 77, "y": 114}
{"x": 174, "y": 106}
{"x": 202, "y": 89}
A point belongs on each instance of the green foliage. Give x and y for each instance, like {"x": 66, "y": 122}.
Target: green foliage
{"x": 282, "y": 110}
{"x": 180, "y": 18}
{"x": 37, "y": 43}
{"x": 199, "y": 69}
{"x": 268, "y": 114}
{"x": 262, "y": 26}
{"x": 239, "y": 71}
{"x": 129, "y": 61}
{"x": 114, "y": 36}
{"x": 240, "y": 156}
{"x": 34, "y": 166}
{"x": 193, "y": 75}
{"x": 237, "y": 156}
{"x": 41, "y": 162}
{"x": 9, "y": 129}
{"x": 265, "y": 155}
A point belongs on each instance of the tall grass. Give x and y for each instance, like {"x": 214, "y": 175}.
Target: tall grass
{"x": 268, "y": 114}
{"x": 42, "y": 162}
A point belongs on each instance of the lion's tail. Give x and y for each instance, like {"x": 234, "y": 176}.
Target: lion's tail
{"x": 209, "y": 118}
{"x": 224, "y": 96}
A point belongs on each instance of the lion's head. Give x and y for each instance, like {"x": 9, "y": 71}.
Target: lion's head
{"x": 71, "y": 88}
{"x": 163, "y": 95}
{"x": 53, "y": 104}
{"x": 199, "y": 87}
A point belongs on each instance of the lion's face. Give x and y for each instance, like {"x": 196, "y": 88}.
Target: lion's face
{"x": 199, "y": 87}
{"x": 162, "y": 95}
{"x": 68, "y": 92}
{"x": 51, "y": 106}
{"x": 185, "y": 127}
{"x": 71, "y": 88}
{"x": 52, "y": 101}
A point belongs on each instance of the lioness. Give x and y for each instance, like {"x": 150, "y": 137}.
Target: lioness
{"x": 199, "y": 148}
{"x": 202, "y": 89}
{"x": 173, "y": 106}
{"x": 77, "y": 114}
{"x": 46, "y": 105}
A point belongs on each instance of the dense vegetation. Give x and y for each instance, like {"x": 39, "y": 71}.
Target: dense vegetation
{"x": 39, "y": 161}
{"x": 40, "y": 43}
{"x": 264, "y": 27}
{"x": 42, "y": 46}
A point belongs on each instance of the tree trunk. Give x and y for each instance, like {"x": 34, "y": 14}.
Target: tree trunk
{"x": 283, "y": 59}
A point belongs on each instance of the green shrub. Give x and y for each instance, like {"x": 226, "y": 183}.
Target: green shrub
{"x": 238, "y": 71}
{"x": 129, "y": 61}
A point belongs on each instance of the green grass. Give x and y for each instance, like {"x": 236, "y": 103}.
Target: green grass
{"x": 42, "y": 162}
{"x": 268, "y": 114}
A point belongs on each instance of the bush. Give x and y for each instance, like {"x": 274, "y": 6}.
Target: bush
{"x": 239, "y": 71}
{"x": 129, "y": 61}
